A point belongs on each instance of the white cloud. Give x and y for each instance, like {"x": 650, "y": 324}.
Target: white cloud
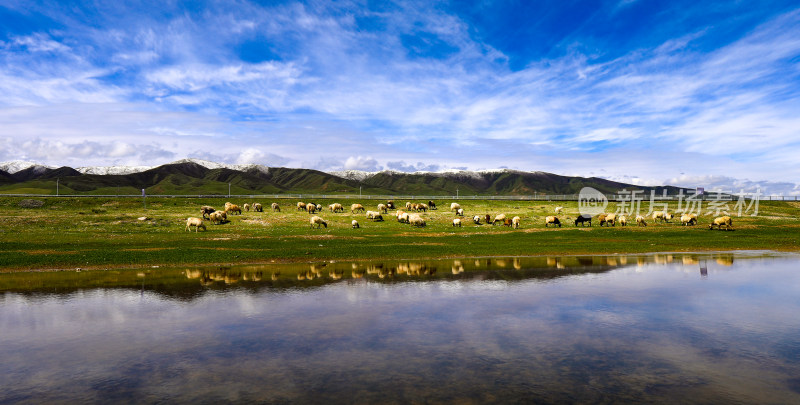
{"x": 362, "y": 163}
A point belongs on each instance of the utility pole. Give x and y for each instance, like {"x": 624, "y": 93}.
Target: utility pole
{"x": 359, "y": 191}
{"x": 57, "y": 186}
{"x": 456, "y": 193}
{"x": 229, "y": 190}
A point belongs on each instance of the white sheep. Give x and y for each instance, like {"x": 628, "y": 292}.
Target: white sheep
{"x": 661, "y": 216}
{"x": 455, "y": 206}
{"x": 311, "y": 208}
{"x": 246, "y": 207}
{"x": 460, "y": 212}
{"x": 416, "y": 220}
{"x": 197, "y": 223}
{"x": 515, "y": 222}
{"x": 382, "y": 207}
{"x": 552, "y": 220}
{"x": 403, "y": 217}
{"x": 375, "y": 216}
{"x": 457, "y": 222}
{"x": 476, "y": 219}
{"x": 623, "y": 220}
{"x": 355, "y": 224}
{"x": 336, "y": 207}
{"x": 276, "y": 207}
{"x": 640, "y": 221}
{"x": 559, "y": 209}
{"x": 689, "y": 219}
{"x": 719, "y": 222}
{"x": 257, "y": 207}
{"x": 356, "y": 208}
{"x": 499, "y": 218}
{"x": 315, "y": 220}
{"x": 611, "y": 219}
{"x": 301, "y": 206}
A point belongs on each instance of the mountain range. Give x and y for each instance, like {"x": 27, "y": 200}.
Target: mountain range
{"x": 194, "y": 176}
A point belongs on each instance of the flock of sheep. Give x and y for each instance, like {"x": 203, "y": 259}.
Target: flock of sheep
{"x": 412, "y": 216}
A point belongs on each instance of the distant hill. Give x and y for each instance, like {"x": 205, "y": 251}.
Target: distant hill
{"x": 192, "y": 177}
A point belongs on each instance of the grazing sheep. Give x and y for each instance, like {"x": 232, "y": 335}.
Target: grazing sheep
{"x": 311, "y": 208}
{"x": 257, "y": 207}
{"x": 640, "y": 221}
{"x": 601, "y": 218}
{"x": 227, "y": 205}
{"x": 336, "y": 207}
{"x": 507, "y": 222}
{"x": 488, "y": 219}
{"x": 217, "y": 217}
{"x": 499, "y": 218}
{"x": 276, "y": 207}
{"x": 610, "y": 219}
{"x": 455, "y": 206}
{"x": 457, "y": 222}
{"x": 403, "y": 217}
{"x": 233, "y": 208}
{"x": 719, "y": 222}
{"x": 408, "y": 205}
{"x": 355, "y": 224}
{"x": 623, "y": 220}
{"x": 432, "y": 205}
{"x": 416, "y": 220}
{"x": 374, "y": 215}
{"x": 205, "y": 211}
{"x": 315, "y": 220}
{"x": 356, "y": 208}
{"x": 559, "y": 209}
{"x": 476, "y": 219}
{"x": 246, "y": 207}
{"x": 422, "y": 207}
{"x": 582, "y": 220}
{"x": 515, "y": 222}
{"x": 552, "y": 220}
{"x": 460, "y": 212}
{"x": 688, "y": 220}
{"x": 197, "y": 223}
{"x": 390, "y": 204}
{"x": 301, "y": 206}
{"x": 383, "y": 208}
{"x": 661, "y": 216}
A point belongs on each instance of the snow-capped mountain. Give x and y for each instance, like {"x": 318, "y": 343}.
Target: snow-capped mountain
{"x": 15, "y": 166}
{"x": 19, "y": 165}
{"x": 105, "y": 170}
{"x": 213, "y": 165}
{"x": 360, "y": 175}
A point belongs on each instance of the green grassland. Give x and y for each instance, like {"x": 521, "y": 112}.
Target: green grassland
{"x": 98, "y": 233}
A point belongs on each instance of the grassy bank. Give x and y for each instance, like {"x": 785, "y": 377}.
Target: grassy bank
{"x": 67, "y": 233}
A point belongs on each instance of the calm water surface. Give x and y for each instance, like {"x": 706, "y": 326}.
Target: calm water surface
{"x": 665, "y": 328}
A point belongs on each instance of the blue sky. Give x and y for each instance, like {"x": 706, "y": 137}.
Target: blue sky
{"x": 652, "y": 92}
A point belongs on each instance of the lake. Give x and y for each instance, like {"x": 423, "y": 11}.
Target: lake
{"x": 657, "y": 328}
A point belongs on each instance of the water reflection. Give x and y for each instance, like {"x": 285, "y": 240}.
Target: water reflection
{"x": 193, "y": 282}
{"x": 668, "y": 327}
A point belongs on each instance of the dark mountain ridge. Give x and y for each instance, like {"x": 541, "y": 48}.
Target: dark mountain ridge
{"x": 187, "y": 178}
